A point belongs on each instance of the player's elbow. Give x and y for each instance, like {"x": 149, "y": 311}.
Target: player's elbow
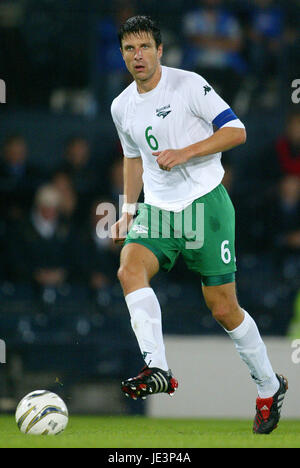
{"x": 234, "y": 136}
{"x": 241, "y": 136}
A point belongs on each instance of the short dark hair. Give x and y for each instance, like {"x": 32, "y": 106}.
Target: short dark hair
{"x": 138, "y": 24}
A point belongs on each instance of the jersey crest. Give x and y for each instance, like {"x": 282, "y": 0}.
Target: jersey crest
{"x": 163, "y": 111}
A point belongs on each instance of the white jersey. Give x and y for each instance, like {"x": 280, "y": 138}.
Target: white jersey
{"x": 178, "y": 112}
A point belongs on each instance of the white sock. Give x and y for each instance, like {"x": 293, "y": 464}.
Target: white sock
{"x": 253, "y": 352}
{"x": 145, "y": 316}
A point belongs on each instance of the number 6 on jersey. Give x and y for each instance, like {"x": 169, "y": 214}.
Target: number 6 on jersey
{"x": 151, "y": 140}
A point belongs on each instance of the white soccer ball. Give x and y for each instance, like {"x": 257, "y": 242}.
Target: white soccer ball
{"x": 42, "y": 413}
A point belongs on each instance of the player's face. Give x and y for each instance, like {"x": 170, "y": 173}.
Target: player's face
{"x": 141, "y": 56}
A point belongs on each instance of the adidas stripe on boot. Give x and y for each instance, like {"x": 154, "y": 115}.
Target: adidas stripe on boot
{"x": 268, "y": 409}
{"x": 149, "y": 381}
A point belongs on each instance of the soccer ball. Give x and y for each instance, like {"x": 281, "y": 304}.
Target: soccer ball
{"x": 42, "y": 413}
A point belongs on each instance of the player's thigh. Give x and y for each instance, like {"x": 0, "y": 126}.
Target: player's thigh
{"x": 136, "y": 259}
{"x": 153, "y": 229}
{"x": 215, "y": 259}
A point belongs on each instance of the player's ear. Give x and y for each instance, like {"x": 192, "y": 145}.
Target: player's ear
{"x": 160, "y": 50}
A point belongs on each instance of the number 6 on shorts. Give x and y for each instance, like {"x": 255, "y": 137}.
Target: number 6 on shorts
{"x": 225, "y": 252}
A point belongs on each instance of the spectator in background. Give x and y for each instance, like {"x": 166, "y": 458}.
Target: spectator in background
{"x": 288, "y": 146}
{"x": 116, "y": 179}
{"x": 37, "y": 247}
{"x": 110, "y": 66}
{"x": 63, "y": 183}
{"x": 282, "y": 156}
{"x": 281, "y": 215}
{"x": 265, "y": 47}
{"x": 214, "y": 46}
{"x": 79, "y": 166}
{"x": 94, "y": 257}
{"x": 18, "y": 178}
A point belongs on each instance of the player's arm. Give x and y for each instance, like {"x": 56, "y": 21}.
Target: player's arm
{"x": 206, "y": 104}
{"x": 133, "y": 178}
{"x": 133, "y": 183}
{"x": 222, "y": 140}
{"x": 132, "y": 174}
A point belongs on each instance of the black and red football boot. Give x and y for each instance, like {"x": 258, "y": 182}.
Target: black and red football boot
{"x": 268, "y": 409}
{"x": 149, "y": 381}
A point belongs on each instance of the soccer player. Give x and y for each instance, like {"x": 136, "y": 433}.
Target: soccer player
{"x": 165, "y": 120}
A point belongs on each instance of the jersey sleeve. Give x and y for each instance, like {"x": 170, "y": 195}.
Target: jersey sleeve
{"x": 206, "y": 104}
{"x": 130, "y": 149}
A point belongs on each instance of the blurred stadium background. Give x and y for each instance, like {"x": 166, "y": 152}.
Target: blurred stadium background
{"x": 62, "y": 313}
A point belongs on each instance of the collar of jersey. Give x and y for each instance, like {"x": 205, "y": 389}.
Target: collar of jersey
{"x": 144, "y": 96}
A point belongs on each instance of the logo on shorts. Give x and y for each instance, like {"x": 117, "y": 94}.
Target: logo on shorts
{"x": 206, "y": 89}
{"x": 163, "y": 111}
{"x": 140, "y": 229}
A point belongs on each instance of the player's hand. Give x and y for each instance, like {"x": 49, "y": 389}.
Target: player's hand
{"x": 120, "y": 229}
{"x": 170, "y": 158}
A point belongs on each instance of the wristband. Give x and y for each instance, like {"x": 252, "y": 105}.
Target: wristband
{"x": 129, "y": 208}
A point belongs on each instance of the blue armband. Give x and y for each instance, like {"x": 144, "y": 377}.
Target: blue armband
{"x": 225, "y": 116}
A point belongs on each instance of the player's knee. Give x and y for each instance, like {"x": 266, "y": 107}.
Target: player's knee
{"x": 222, "y": 311}
{"x": 122, "y": 274}
{"x": 127, "y": 274}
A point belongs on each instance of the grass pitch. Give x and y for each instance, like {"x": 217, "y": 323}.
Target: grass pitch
{"x": 142, "y": 432}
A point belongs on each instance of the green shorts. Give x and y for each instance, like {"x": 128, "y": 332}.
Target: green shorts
{"x": 204, "y": 233}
